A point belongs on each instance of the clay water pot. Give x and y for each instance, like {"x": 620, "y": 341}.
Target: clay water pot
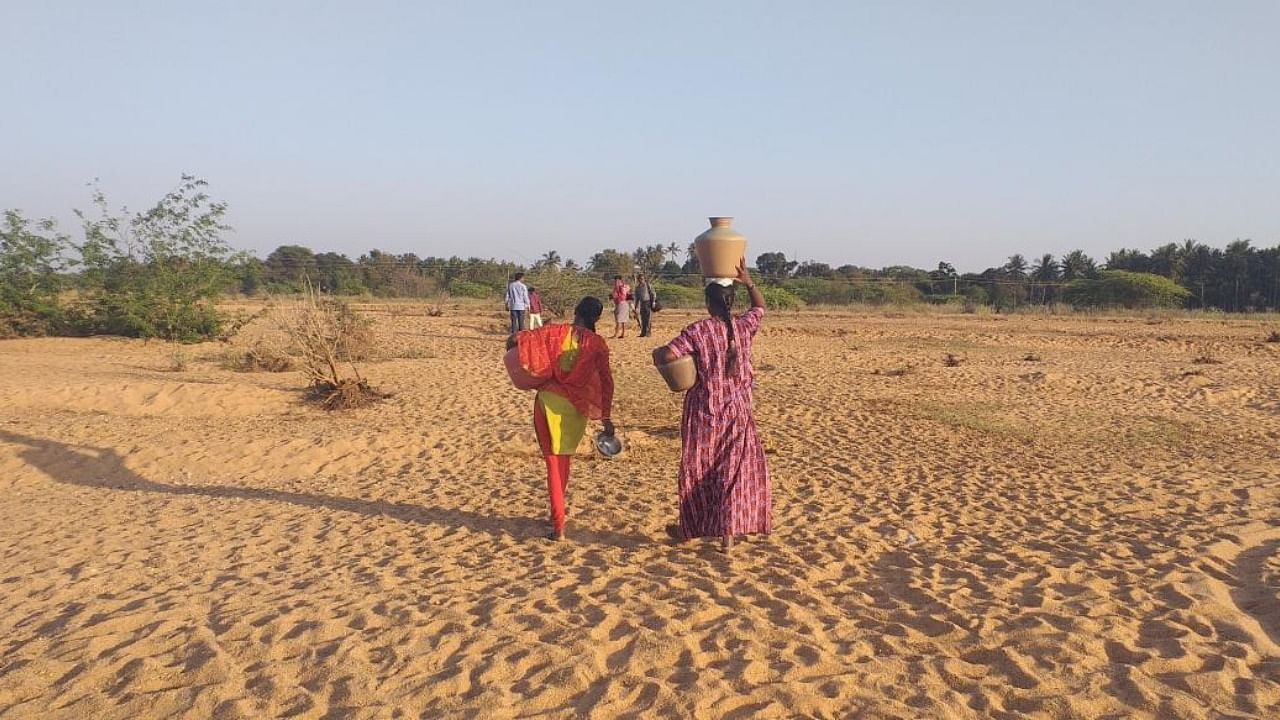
{"x": 720, "y": 249}
{"x": 520, "y": 377}
{"x": 680, "y": 374}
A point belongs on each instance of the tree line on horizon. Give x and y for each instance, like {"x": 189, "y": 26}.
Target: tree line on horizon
{"x": 1237, "y": 278}
{"x": 158, "y": 273}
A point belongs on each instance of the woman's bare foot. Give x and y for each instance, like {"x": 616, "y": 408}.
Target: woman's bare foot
{"x": 673, "y": 532}
{"x": 556, "y": 535}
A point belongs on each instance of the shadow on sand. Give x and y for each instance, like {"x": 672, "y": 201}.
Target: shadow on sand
{"x": 103, "y": 468}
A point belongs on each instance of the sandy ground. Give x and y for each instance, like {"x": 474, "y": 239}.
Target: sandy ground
{"x": 1076, "y": 521}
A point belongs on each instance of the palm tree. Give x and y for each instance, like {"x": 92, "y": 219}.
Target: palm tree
{"x": 673, "y": 250}
{"x": 1077, "y": 266}
{"x": 1237, "y": 255}
{"x": 1046, "y": 271}
{"x": 691, "y": 260}
{"x": 1165, "y": 261}
{"x": 1016, "y": 267}
{"x": 1196, "y": 263}
{"x": 1129, "y": 260}
{"x": 550, "y": 260}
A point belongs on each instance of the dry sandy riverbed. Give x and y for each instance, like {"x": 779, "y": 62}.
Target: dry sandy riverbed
{"x": 1075, "y": 521}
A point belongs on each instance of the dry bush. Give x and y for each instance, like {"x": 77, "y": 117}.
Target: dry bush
{"x": 329, "y": 338}
{"x": 348, "y": 393}
{"x": 1031, "y": 357}
{"x": 1205, "y": 360}
{"x": 259, "y": 357}
{"x": 235, "y": 322}
{"x": 435, "y": 311}
{"x": 950, "y": 360}
{"x": 179, "y": 360}
{"x": 1274, "y": 337}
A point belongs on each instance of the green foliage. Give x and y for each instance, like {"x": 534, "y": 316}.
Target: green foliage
{"x": 608, "y": 263}
{"x": 562, "y": 290}
{"x": 250, "y": 273}
{"x": 156, "y": 273}
{"x": 819, "y": 291}
{"x": 774, "y": 265}
{"x": 1120, "y": 288}
{"x": 31, "y": 262}
{"x": 649, "y": 259}
{"x": 1076, "y": 265}
{"x": 777, "y": 298}
{"x": 468, "y": 289}
{"x": 292, "y": 266}
{"x": 673, "y": 295}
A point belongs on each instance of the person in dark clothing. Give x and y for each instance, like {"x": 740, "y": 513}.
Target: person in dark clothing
{"x": 644, "y": 299}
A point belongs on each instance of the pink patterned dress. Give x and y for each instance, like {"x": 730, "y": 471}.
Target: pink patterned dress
{"x": 724, "y": 483}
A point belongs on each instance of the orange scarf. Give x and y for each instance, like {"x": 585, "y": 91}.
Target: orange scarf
{"x": 588, "y": 385}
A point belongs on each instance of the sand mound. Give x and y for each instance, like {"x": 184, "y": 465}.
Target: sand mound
{"x": 175, "y": 399}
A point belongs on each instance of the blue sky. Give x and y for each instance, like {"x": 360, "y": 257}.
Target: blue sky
{"x": 874, "y": 133}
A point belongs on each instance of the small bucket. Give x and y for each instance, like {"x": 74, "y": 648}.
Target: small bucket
{"x": 680, "y": 374}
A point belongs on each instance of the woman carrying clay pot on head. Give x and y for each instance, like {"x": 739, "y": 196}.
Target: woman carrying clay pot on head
{"x": 572, "y": 363}
{"x": 724, "y": 482}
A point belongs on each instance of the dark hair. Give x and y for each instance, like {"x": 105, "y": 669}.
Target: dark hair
{"x": 519, "y": 276}
{"x": 617, "y": 277}
{"x": 720, "y": 303}
{"x": 533, "y": 289}
{"x": 588, "y": 312}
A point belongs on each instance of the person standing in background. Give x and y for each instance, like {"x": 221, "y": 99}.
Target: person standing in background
{"x": 644, "y": 297}
{"x": 535, "y": 308}
{"x": 621, "y": 297}
{"x": 517, "y": 302}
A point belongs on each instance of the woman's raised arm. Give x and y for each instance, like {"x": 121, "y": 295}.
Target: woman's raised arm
{"x": 744, "y": 277}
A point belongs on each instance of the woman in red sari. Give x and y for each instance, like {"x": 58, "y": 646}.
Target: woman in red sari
{"x": 578, "y": 385}
{"x": 724, "y": 482}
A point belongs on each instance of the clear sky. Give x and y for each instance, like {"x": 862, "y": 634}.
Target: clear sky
{"x": 874, "y": 133}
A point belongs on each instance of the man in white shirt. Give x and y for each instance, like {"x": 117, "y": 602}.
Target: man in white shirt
{"x": 517, "y": 302}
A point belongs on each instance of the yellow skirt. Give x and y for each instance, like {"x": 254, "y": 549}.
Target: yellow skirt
{"x": 565, "y": 426}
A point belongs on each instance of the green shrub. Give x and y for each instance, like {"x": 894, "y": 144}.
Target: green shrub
{"x": 819, "y": 291}
{"x": 158, "y": 272}
{"x": 777, "y": 298}
{"x": 673, "y": 295}
{"x": 31, "y": 263}
{"x": 562, "y": 290}
{"x": 468, "y": 289}
{"x": 1119, "y": 288}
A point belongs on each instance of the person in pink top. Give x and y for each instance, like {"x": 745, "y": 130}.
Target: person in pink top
{"x": 724, "y": 481}
{"x": 621, "y": 297}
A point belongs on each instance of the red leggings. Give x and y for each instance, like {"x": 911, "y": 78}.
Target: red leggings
{"x": 557, "y": 467}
